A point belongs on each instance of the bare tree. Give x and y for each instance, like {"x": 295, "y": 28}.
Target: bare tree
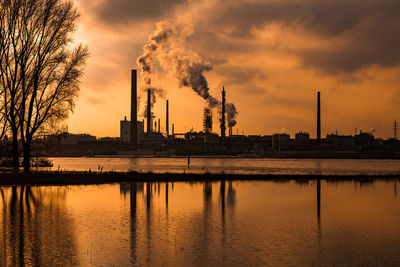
{"x": 9, "y": 68}
{"x": 44, "y": 65}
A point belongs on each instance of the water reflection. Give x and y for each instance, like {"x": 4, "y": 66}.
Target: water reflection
{"x": 36, "y": 228}
{"x": 319, "y": 203}
{"x": 202, "y": 223}
{"x": 133, "y": 198}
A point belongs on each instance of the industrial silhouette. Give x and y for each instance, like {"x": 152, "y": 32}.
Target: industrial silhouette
{"x": 155, "y": 141}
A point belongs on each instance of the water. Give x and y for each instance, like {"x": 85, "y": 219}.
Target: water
{"x": 232, "y": 165}
{"x": 303, "y": 223}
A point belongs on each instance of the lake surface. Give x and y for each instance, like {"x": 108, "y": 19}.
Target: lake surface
{"x": 231, "y": 165}
{"x": 303, "y": 223}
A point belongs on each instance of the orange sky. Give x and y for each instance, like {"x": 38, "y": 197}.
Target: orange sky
{"x": 272, "y": 56}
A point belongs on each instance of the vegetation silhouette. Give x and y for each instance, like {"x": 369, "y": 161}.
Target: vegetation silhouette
{"x": 40, "y": 69}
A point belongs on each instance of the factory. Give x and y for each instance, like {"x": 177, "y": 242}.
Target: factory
{"x": 134, "y": 140}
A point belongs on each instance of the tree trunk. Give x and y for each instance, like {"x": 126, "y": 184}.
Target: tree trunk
{"x": 27, "y": 156}
{"x": 15, "y": 151}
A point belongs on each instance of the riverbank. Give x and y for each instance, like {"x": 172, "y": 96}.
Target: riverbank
{"x": 88, "y": 178}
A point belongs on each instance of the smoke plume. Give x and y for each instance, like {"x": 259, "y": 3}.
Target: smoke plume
{"x": 145, "y": 62}
{"x": 154, "y": 93}
{"x": 167, "y": 46}
{"x": 190, "y": 74}
{"x": 231, "y": 113}
{"x": 159, "y": 37}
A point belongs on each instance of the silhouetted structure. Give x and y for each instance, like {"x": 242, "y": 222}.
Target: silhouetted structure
{"x": 148, "y": 114}
{"x": 167, "y": 119}
{"x": 207, "y": 120}
{"x": 126, "y": 129}
{"x": 154, "y": 143}
{"x": 319, "y": 117}
{"x": 302, "y": 141}
{"x": 281, "y": 142}
{"x": 134, "y": 136}
{"x": 223, "y": 127}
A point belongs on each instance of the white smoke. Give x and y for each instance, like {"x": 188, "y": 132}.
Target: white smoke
{"x": 166, "y": 45}
{"x": 231, "y": 113}
{"x": 145, "y": 62}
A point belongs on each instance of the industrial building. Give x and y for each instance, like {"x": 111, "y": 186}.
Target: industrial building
{"x": 125, "y": 131}
{"x": 134, "y": 140}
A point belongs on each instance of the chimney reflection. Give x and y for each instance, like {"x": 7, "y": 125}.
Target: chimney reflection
{"x": 166, "y": 195}
{"x": 148, "y": 196}
{"x": 207, "y": 195}
{"x": 319, "y": 203}
{"x": 124, "y": 188}
{"x": 148, "y": 215}
{"x": 223, "y": 222}
{"x": 133, "y": 201}
{"x": 222, "y": 196}
{"x": 231, "y": 197}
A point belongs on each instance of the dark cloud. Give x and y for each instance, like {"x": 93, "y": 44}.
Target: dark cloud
{"x": 360, "y": 33}
{"x": 324, "y": 17}
{"x": 127, "y": 11}
{"x": 240, "y": 75}
{"x": 288, "y": 102}
{"x": 375, "y": 42}
{"x": 255, "y": 90}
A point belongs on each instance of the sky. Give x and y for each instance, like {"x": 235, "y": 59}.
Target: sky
{"x": 272, "y": 56}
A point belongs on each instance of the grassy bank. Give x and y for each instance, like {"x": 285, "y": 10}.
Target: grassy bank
{"x": 86, "y": 178}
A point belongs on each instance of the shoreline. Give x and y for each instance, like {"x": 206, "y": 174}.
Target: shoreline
{"x": 65, "y": 178}
{"x": 275, "y": 155}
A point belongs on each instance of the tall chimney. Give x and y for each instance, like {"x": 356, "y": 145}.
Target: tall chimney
{"x": 173, "y": 129}
{"x": 223, "y": 127}
{"x": 167, "y": 123}
{"x": 159, "y": 126}
{"x": 149, "y": 121}
{"x": 134, "y": 110}
{"x": 319, "y": 117}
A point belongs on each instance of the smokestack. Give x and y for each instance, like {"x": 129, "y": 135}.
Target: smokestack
{"x": 167, "y": 122}
{"x": 173, "y": 130}
{"x": 159, "y": 128}
{"x": 134, "y": 110}
{"x": 223, "y": 127}
{"x": 319, "y": 117}
{"x": 149, "y": 122}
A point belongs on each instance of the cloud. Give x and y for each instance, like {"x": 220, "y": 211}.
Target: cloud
{"x": 129, "y": 11}
{"x": 272, "y": 56}
{"x": 240, "y": 75}
{"x": 359, "y": 34}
